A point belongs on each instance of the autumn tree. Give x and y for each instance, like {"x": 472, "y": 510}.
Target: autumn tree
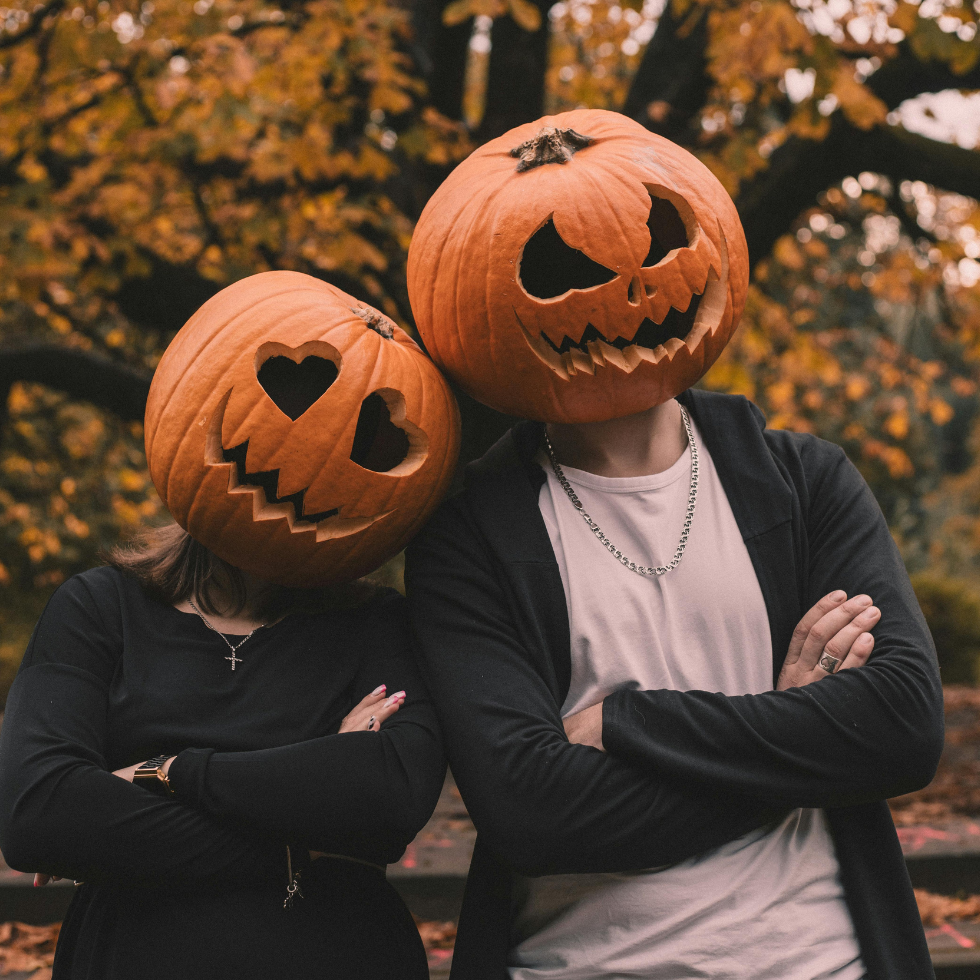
{"x": 149, "y": 156}
{"x": 152, "y": 153}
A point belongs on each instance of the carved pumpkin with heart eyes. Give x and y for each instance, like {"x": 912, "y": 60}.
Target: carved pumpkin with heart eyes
{"x": 298, "y": 433}
{"x": 578, "y": 269}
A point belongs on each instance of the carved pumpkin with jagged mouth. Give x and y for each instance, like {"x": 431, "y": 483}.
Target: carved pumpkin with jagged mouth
{"x": 578, "y": 269}
{"x": 297, "y": 433}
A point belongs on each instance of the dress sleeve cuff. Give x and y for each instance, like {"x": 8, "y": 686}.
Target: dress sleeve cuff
{"x": 188, "y": 773}
{"x": 616, "y": 718}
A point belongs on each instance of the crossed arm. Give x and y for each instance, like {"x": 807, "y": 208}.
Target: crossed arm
{"x": 835, "y": 625}
{"x": 683, "y": 771}
{"x": 62, "y": 813}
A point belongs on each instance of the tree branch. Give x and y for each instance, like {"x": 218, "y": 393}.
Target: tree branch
{"x": 35, "y": 23}
{"x": 82, "y": 374}
{"x": 903, "y": 155}
{"x": 905, "y": 77}
{"x": 671, "y": 83}
{"x": 800, "y": 169}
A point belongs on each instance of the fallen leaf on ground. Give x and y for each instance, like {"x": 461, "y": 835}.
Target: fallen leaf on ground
{"x": 937, "y": 910}
{"x": 25, "y": 948}
{"x": 436, "y": 935}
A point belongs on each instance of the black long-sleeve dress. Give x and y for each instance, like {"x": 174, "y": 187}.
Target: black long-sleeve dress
{"x": 193, "y": 887}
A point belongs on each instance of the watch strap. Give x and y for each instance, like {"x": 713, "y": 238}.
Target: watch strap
{"x": 150, "y": 775}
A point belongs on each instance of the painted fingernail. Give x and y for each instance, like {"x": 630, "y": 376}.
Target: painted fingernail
{"x": 378, "y": 690}
{"x": 837, "y": 596}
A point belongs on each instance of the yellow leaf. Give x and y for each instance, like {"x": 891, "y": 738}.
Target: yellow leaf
{"x": 859, "y": 105}
{"x": 905, "y": 17}
{"x": 931, "y": 43}
{"x": 460, "y": 11}
{"x": 897, "y": 425}
{"x": 526, "y": 15}
{"x": 31, "y": 170}
{"x": 940, "y": 411}
{"x": 857, "y": 387}
{"x": 788, "y": 254}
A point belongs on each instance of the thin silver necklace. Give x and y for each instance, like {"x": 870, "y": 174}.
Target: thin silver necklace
{"x": 597, "y": 531}
{"x": 231, "y": 646}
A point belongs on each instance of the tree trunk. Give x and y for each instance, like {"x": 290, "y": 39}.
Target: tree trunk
{"x": 515, "y": 85}
{"x": 671, "y": 82}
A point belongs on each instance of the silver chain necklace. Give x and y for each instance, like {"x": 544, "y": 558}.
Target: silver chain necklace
{"x": 597, "y": 531}
{"x": 231, "y": 646}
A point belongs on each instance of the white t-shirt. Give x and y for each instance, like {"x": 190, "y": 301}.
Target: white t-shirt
{"x": 769, "y": 906}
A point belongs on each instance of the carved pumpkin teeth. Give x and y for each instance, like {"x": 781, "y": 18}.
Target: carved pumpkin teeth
{"x": 267, "y": 505}
{"x": 544, "y": 349}
{"x": 714, "y": 301}
{"x": 677, "y": 324}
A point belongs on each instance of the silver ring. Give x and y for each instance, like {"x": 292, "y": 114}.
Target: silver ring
{"x": 828, "y": 663}
{"x": 371, "y": 722}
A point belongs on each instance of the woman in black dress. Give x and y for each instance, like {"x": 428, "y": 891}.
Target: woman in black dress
{"x": 299, "y": 763}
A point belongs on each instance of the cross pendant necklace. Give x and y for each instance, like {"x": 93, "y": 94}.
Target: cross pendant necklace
{"x": 234, "y": 658}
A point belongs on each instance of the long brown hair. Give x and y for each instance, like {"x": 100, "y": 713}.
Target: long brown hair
{"x": 172, "y": 567}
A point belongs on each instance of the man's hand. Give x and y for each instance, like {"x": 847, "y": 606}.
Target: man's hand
{"x": 840, "y": 627}
{"x": 833, "y": 624}
{"x": 585, "y": 727}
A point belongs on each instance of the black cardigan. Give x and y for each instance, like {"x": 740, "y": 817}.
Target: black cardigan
{"x": 685, "y": 771}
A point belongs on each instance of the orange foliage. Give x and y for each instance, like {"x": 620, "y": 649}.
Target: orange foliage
{"x": 852, "y": 333}
{"x": 228, "y": 140}
{"x": 213, "y": 140}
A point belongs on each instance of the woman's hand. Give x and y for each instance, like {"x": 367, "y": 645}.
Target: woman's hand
{"x": 835, "y": 626}
{"x": 373, "y": 710}
{"x": 128, "y": 772}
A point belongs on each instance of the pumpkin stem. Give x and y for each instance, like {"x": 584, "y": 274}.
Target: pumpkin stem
{"x": 549, "y": 146}
{"x": 376, "y": 321}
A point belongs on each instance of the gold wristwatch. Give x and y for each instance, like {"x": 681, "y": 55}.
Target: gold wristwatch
{"x": 151, "y": 776}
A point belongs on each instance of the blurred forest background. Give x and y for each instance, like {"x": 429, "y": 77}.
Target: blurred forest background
{"x": 151, "y": 153}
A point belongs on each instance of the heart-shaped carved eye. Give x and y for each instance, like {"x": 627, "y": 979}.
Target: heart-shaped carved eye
{"x": 550, "y": 267}
{"x": 295, "y": 387}
{"x": 379, "y": 444}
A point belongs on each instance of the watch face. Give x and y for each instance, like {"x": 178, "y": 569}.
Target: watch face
{"x": 150, "y": 776}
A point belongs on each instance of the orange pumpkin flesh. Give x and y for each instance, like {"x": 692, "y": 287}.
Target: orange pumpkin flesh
{"x": 297, "y": 433}
{"x": 598, "y": 275}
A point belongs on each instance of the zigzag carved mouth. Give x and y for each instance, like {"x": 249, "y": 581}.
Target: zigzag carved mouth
{"x": 268, "y": 482}
{"x": 264, "y": 487}
{"x": 651, "y": 342}
{"x": 677, "y": 323}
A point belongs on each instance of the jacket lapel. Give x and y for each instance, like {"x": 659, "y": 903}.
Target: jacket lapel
{"x": 761, "y": 496}
{"x": 502, "y": 490}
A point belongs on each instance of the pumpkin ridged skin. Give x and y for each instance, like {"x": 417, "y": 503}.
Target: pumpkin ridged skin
{"x": 473, "y": 313}
{"x": 208, "y": 377}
